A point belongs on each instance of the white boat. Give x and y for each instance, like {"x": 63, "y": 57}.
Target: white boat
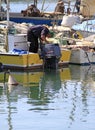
{"x": 83, "y": 54}
{"x": 81, "y": 57}
{"x": 82, "y": 50}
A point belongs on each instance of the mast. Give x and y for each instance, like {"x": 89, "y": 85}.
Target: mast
{"x": 8, "y": 8}
{"x": 35, "y": 3}
{"x": 43, "y": 5}
{"x": 0, "y": 5}
{"x": 6, "y": 33}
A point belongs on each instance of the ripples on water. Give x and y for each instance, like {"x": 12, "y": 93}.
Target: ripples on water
{"x": 64, "y": 100}
{"x": 59, "y": 100}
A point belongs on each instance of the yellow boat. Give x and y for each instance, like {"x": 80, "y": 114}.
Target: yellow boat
{"x": 29, "y": 61}
{"x": 26, "y": 61}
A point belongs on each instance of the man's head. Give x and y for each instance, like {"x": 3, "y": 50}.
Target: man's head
{"x": 60, "y": 2}
{"x": 51, "y": 33}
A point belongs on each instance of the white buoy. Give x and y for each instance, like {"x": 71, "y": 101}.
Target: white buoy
{"x": 12, "y": 80}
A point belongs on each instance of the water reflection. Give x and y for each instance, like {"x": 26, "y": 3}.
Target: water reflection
{"x": 49, "y": 85}
{"x": 65, "y": 96}
{"x": 82, "y": 84}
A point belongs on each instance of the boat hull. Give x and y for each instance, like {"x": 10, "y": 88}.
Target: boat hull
{"x": 36, "y": 21}
{"x": 30, "y": 61}
{"x": 18, "y": 18}
{"x": 82, "y": 57}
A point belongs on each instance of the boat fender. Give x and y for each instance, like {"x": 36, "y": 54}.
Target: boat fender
{"x": 12, "y": 80}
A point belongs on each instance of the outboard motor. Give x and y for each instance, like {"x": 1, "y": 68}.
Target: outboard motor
{"x": 50, "y": 53}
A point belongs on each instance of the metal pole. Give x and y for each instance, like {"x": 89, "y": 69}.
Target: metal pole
{"x": 35, "y": 3}
{"x": 8, "y": 8}
{"x": 43, "y": 5}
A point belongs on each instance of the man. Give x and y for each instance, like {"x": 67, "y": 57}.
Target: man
{"x": 35, "y": 34}
{"x": 60, "y": 6}
{"x": 77, "y": 5}
{"x": 31, "y": 11}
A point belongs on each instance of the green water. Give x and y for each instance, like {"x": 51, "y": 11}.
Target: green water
{"x": 62, "y": 100}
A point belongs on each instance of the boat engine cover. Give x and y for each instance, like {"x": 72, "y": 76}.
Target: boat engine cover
{"x": 50, "y": 51}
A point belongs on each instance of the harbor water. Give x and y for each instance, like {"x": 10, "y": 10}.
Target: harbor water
{"x": 51, "y": 100}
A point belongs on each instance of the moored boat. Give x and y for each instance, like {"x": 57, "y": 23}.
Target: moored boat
{"x": 18, "y": 56}
{"x": 29, "y": 61}
{"x": 18, "y": 18}
{"x": 82, "y": 57}
{"x": 32, "y": 14}
{"x": 48, "y": 18}
{"x": 82, "y": 53}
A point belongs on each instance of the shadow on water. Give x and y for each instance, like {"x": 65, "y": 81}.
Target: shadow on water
{"x": 68, "y": 90}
